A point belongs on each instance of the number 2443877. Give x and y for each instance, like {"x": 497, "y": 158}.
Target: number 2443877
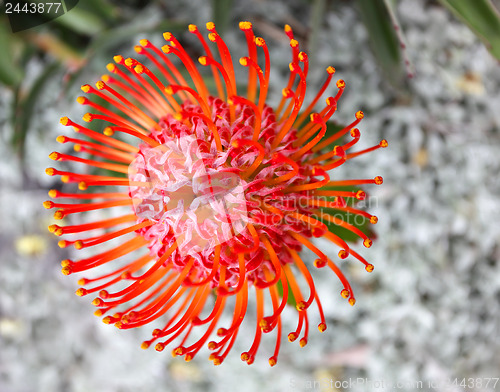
{"x": 32, "y": 8}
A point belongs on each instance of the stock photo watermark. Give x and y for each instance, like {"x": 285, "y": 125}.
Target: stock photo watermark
{"x": 26, "y": 14}
{"x": 448, "y": 384}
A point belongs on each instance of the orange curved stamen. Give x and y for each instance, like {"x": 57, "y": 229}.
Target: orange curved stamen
{"x": 307, "y": 275}
{"x": 303, "y": 116}
{"x": 99, "y": 137}
{"x": 194, "y": 29}
{"x": 85, "y": 243}
{"x": 312, "y": 185}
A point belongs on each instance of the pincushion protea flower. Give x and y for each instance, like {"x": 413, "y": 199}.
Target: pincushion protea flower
{"x": 222, "y": 193}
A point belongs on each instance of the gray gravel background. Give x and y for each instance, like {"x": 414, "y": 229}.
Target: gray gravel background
{"x": 427, "y": 315}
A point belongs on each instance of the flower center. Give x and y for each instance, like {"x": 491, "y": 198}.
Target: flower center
{"x": 189, "y": 193}
{"x": 199, "y": 197}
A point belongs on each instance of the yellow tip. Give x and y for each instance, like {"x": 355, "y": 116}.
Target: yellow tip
{"x": 217, "y": 361}
{"x": 166, "y": 49}
{"x": 97, "y": 302}
{"x": 352, "y": 301}
{"x": 82, "y": 186}
{"x": 360, "y": 195}
{"x": 344, "y": 293}
{"x": 87, "y": 117}
{"x": 64, "y": 120}
{"x": 50, "y": 171}
{"x": 302, "y": 56}
{"x": 108, "y": 131}
{"x": 322, "y": 327}
{"x": 383, "y": 143}
{"x": 169, "y": 90}
{"x": 48, "y": 204}
{"x": 138, "y": 49}
{"x": 330, "y": 70}
{"x": 78, "y": 244}
{"x": 367, "y": 243}
{"x": 245, "y": 25}
{"x": 105, "y": 78}
{"x": 111, "y": 67}
{"x": 210, "y": 26}
{"x": 65, "y": 178}
{"x": 81, "y": 100}
{"x": 54, "y": 156}
{"x": 86, "y": 88}
{"x": 330, "y": 101}
{"x": 244, "y": 61}
{"x": 62, "y": 244}
{"x": 66, "y": 271}
{"x": 288, "y": 28}
{"x": 77, "y": 147}
{"x": 286, "y": 92}
{"x": 341, "y": 84}
{"x": 118, "y": 59}
{"x": 129, "y": 62}
{"x": 369, "y": 268}
{"x": 294, "y": 43}
{"x": 272, "y": 361}
{"x": 65, "y": 263}
{"x": 144, "y": 345}
{"x": 168, "y": 36}
{"x": 212, "y": 37}
{"x": 359, "y": 115}
{"x": 100, "y": 85}
{"x": 61, "y": 139}
{"x": 139, "y": 68}
{"x": 52, "y": 228}
{"x": 81, "y": 292}
{"x": 202, "y": 60}
{"x": 144, "y": 42}
{"x": 193, "y": 28}
{"x": 379, "y": 180}
{"x": 259, "y": 41}
{"x": 373, "y": 219}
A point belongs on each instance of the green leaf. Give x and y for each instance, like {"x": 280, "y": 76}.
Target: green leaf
{"x": 104, "y": 9}
{"x": 25, "y": 108}
{"x": 331, "y": 129}
{"x": 221, "y": 13}
{"x": 291, "y": 298}
{"x": 358, "y": 221}
{"x": 81, "y": 21}
{"x": 379, "y": 21}
{"x": 316, "y": 19}
{"x": 482, "y": 18}
{"x": 10, "y": 74}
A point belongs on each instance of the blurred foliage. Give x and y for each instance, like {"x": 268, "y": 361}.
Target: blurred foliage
{"x": 221, "y": 14}
{"x": 379, "y": 19}
{"x": 483, "y": 19}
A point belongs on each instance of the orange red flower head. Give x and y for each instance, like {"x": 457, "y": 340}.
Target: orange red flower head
{"x": 209, "y": 199}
